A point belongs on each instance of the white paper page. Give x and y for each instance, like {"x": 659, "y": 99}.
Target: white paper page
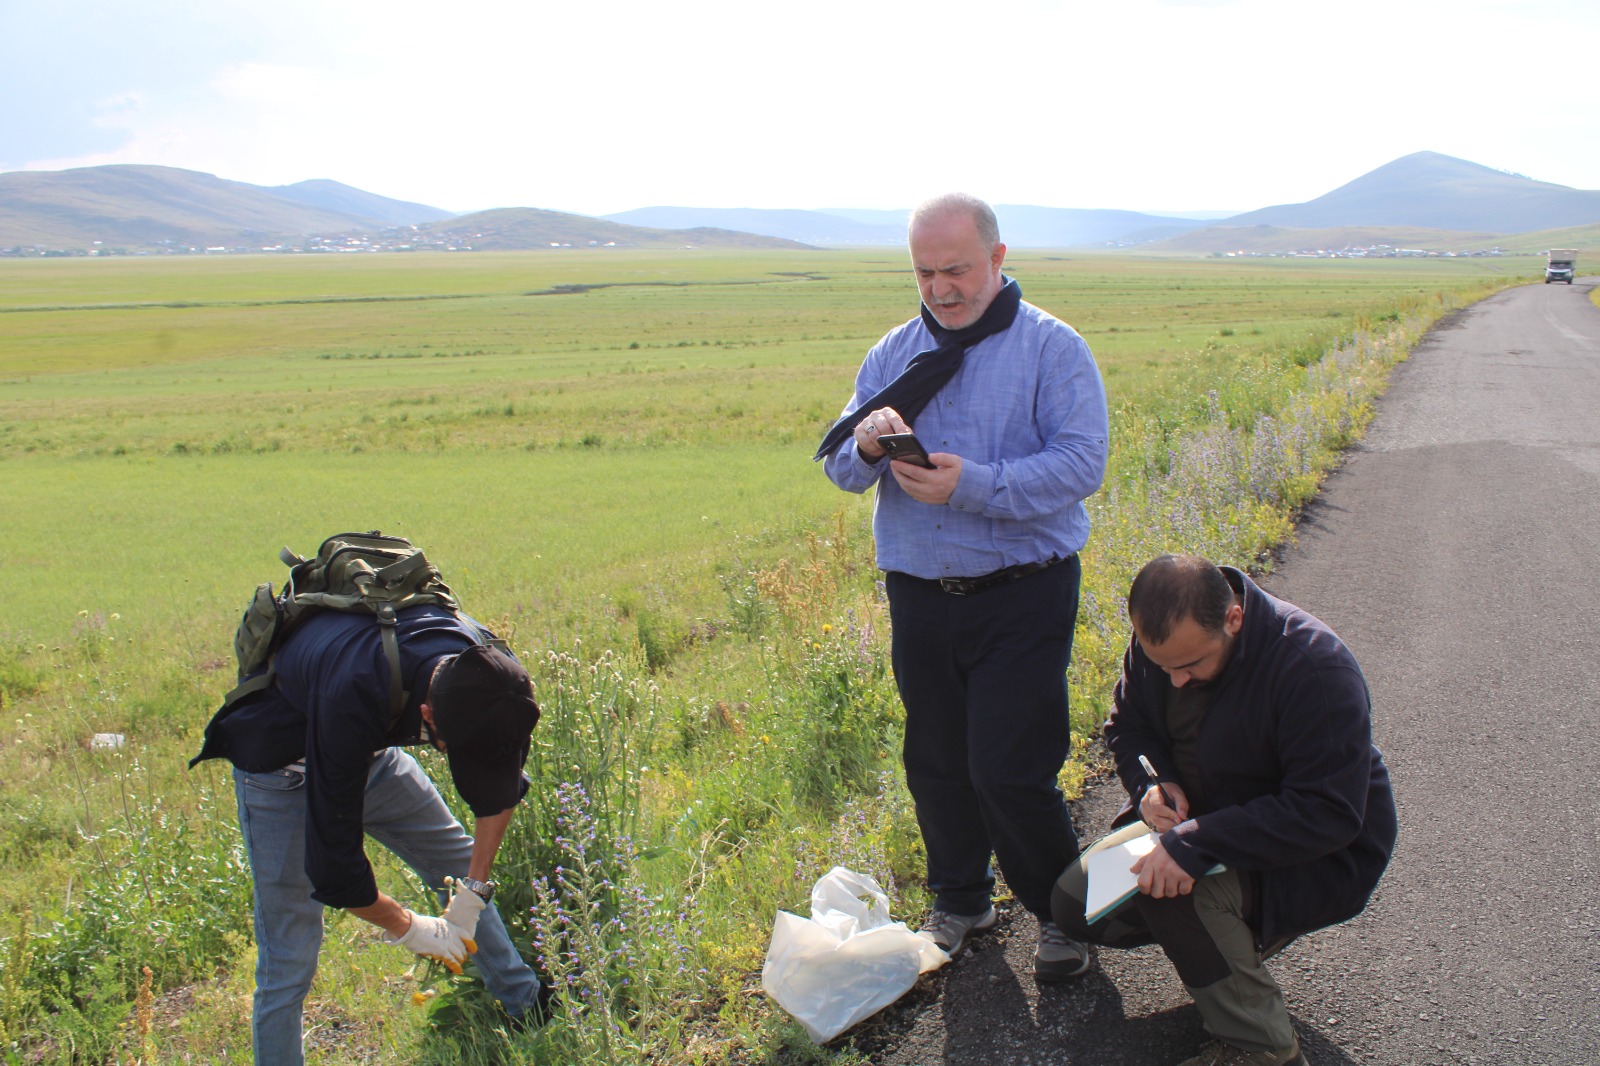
{"x": 1109, "y": 877}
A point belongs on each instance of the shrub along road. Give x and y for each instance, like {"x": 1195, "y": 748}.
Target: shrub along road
{"x": 1455, "y": 552}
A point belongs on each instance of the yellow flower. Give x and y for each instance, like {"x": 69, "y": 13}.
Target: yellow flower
{"x": 826, "y": 629}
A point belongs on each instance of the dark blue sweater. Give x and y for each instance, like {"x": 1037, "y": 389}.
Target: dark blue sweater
{"x": 330, "y": 706}
{"x": 1298, "y": 793}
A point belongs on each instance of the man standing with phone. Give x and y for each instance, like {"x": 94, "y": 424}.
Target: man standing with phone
{"x": 980, "y": 553}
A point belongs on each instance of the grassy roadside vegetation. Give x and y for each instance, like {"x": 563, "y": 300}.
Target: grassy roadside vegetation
{"x": 608, "y": 455}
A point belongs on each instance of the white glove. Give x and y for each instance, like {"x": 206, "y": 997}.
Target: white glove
{"x": 436, "y": 939}
{"x": 465, "y": 906}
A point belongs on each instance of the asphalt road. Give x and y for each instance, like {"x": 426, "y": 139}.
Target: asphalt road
{"x": 1455, "y": 551}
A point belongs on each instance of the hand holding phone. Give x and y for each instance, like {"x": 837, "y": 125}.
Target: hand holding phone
{"x": 906, "y": 448}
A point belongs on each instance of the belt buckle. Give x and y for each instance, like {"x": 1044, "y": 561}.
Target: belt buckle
{"x": 956, "y": 586}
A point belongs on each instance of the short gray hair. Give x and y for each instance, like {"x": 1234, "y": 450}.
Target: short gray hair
{"x": 982, "y": 215}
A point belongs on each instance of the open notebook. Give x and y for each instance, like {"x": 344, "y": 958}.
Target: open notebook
{"x": 1110, "y": 879}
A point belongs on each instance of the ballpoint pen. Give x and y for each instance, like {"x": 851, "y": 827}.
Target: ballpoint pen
{"x": 1155, "y": 779}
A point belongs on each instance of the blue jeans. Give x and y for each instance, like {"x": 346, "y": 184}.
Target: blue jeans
{"x": 402, "y": 811}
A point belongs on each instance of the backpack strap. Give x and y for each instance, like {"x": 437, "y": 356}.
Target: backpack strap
{"x": 394, "y": 572}
{"x": 387, "y": 623}
{"x": 251, "y": 685}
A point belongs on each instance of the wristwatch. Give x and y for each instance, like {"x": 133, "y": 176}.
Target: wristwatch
{"x": 483, "y": 889}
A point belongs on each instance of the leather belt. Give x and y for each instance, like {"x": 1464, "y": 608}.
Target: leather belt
{"x": 966, "y": 586}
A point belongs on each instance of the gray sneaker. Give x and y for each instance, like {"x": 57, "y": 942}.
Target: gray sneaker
{"x": 950, "y": 931}
{"x": 1058, "y": 958}
{"x": 1218, "y": 1053}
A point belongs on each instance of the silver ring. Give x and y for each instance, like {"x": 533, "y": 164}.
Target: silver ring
{"x": 872, "y": 427}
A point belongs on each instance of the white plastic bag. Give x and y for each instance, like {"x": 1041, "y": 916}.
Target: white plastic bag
{"x": 848, "y": 960}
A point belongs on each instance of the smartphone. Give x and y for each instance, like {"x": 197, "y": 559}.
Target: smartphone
{"x": 906, "y": 448}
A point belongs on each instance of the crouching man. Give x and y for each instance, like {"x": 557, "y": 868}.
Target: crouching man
{"x": 1256, "y": 720}
{"x": 318, "y": 766}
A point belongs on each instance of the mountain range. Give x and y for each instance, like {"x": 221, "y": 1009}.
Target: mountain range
{"x": 145, "y": 206}
{"x": 132, "y": 207}
{"x": 1022, "y": 225}
{"x": 1423, "y": 200}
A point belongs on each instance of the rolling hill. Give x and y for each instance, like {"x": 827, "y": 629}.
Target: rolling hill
{"x": 1021, "y": 225}
{"x": 334, "y": 196}
{"x": 517, "y": 228}
{"x": 147, "y": 206}
{"x": 1584, "y": 238}
{"x": 1434, "y": 191}
{"x": 807, "y": 227}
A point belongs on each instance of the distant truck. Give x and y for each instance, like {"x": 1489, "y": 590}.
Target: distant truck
{"x": 1560, "y": 267}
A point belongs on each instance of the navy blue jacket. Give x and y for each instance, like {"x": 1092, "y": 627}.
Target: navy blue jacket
{"x": 1299, "y": 794}
{"x": 330, "y": 706}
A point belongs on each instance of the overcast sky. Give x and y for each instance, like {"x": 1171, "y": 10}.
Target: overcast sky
{"x": 597, "y": 106}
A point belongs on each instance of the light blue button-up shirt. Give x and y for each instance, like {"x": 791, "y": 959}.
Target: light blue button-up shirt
{"x": 1027, "y": 414}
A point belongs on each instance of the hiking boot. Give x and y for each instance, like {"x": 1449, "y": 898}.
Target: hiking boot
{"x": 1058, "y": 957}
{"x": 950, "y": 931}
{"x": 1218, "y": 1053}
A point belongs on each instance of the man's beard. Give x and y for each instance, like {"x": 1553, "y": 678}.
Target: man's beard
{"x": 1196, "y": 685}
{"x": 963, "y": 310}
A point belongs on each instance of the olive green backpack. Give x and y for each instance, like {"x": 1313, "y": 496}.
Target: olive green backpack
{"x": 350, "y": 572}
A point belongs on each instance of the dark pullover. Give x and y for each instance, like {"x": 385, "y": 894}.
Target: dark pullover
{"x": 1296, "y": 792}
{"x": 330, "y": 707}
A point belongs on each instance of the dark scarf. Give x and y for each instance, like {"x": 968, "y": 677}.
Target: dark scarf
{"x": 926, "y": 374}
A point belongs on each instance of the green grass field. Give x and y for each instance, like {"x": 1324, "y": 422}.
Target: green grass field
{"x": 563, "y": 433}
{"x": 608, "y": 454}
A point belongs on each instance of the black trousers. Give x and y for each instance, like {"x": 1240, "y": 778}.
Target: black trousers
{"x": 983, "y": 680}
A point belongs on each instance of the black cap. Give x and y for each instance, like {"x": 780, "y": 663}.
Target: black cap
{"x": 484, "y": 711}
